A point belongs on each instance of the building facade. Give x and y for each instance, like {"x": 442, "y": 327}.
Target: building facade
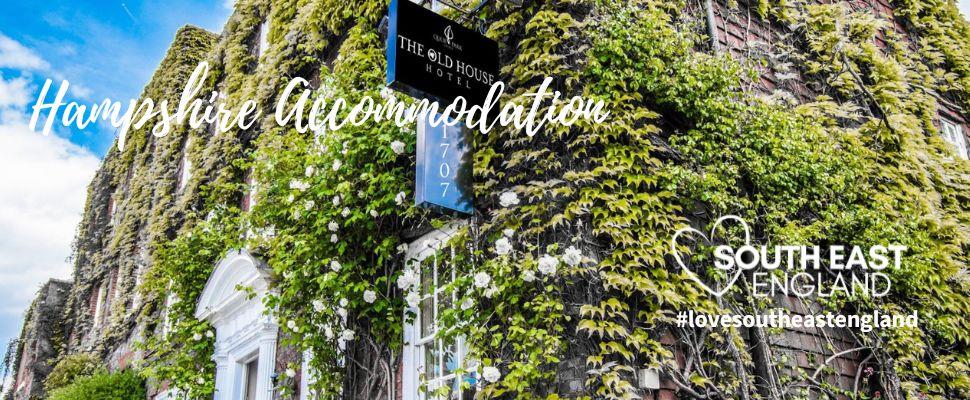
{"x": 158, "y": 189}
{"x": 42, "y": 339}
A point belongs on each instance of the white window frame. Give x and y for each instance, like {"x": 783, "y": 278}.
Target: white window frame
{"x": 414, "y": 344}
{"x": 98, "y": 304}
{"x": 112, "y": 209}
{"x": 185, "y": 167}
{"x": 167, "y": 318}
{"x": 136, "y": 291}
{"x": 263, "y": 44}
{"x": 953, "y": 133}
{"x": 251, "y": 189}
{"x": 307, "y": 376}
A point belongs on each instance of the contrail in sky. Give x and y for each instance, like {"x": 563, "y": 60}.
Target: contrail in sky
{"x": 128, "y": 12}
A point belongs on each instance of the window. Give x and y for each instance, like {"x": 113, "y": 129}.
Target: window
{"x": 136, "y": 291}
{"x": 185, "y": 167}
{"x": 430, "y": 362}
{"x": 166, "y": 318}
{"x": 98, "y": 305}
{"x": 263, "y": 38}
{"x": 953, "y": 133}
{"x": 111, "y": 209}
{"x": 115, "y": 286}
{"x": 249, "y": 198}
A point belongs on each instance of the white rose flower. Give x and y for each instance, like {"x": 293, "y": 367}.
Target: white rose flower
{"x": 334, "y": 238}
{"x": 342, "y": 312}
{"x": 200, "y": 380}
{"x": 467, "y": 303}
{"x": 503, "y": 246}
{"x": 335, "y": 266}
{"x": 482, "y": 279}
{"x": 413, "y": 299}
{"x": 336, "y": 200}
{"x": 508, "y": 199}
{"x": 528, "y": 275}
{"x": 399, "y": 199}
{"x": 337, "y": 164}
{"x": 572, "y": 256}
{"x": 373, "y": 213}
{"x": 290, "y": 373}
{"x": 318, "y": 306}
{"x": 297, "y": 214}
{"x": 347, "y": 335}
{"x": 398, "y": 147}
{"x": 197, "y": 337}
{"x": 309, "y": 205}
{"x": 508, "y": 232}
{"x": 491, "y": 374}
{"x": 290, "y": 198}
{"x": 548, "y": 264}
{"x": 344, "y": 302}
{"x": 345, "y": 212}
{"x": 491, "y": 291}
{"x": 299, "y": 185}
{"x": 408, "y": 278}
{"x": 292, "y": 325}
{"x": 328, "y": 332}
{"x": 209, "y": 334}
{"x": 370, "y": 296}
{"x": 386, "y": 93}
{"x": 333, "y": 226}
{"x": 309, "y": 171}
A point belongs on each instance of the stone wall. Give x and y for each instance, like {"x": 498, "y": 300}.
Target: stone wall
{"x": 41, "y": 339}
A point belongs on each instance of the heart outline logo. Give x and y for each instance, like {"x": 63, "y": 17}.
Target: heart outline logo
{"x": 691, "y": 273}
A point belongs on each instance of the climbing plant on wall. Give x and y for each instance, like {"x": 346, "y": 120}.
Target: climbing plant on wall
{"x": 568, "y": 257}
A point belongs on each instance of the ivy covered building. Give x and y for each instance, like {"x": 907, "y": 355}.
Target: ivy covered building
{"x": 43, "y": 331}
{"x": 272, "y": 263}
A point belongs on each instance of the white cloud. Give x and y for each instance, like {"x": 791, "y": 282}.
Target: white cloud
{"x": 15, "y": 56}
{"x": 14, "y": 93}
{"x": 43, "y": 185}
{"x": 229, "y": 4}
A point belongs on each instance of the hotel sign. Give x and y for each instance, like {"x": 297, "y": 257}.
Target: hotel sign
{"x": 443, "y": 175}
{"x": 433, "y": 57}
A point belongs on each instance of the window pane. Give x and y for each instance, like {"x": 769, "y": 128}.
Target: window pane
{"x": 451, "y": 357}
{"x": 431, "y": 370}
{"x": 427, "y": 317}
{"x": 427, "y": 279}
{"x": 444, "y": 301}
{"x": 445, "y": 273}
{"x": 449, "y": 390}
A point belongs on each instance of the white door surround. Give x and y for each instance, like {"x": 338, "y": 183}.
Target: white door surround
{"x": 243, "y": 331}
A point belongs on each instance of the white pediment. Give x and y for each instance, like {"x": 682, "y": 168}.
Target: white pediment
{"x": 224, "y": 292}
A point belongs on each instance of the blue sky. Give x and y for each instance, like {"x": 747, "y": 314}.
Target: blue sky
{"x": 105, "y": 49}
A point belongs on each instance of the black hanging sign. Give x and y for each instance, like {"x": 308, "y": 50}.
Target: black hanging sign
{"x": 433, "y": 57}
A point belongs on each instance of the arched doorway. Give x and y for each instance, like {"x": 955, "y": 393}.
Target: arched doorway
{"x": 245, "y": 349}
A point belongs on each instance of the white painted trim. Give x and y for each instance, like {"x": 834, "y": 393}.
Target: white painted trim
{"x": 243, "y": 330}
{"x": 418, "y": 250}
